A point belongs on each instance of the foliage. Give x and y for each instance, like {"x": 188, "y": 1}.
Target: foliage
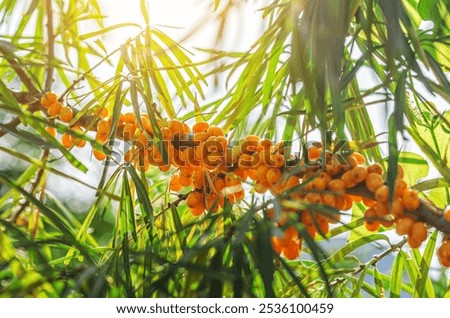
{"x": 306, "y": 73}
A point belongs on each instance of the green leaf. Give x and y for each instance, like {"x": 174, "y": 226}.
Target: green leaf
{"x": 414, "y": 165}
{"x": 107, "y": 29}
{"x": 396, "y": 277}
{"x": 429, "y": 10}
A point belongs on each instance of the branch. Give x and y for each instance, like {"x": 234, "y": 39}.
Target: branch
{"x": 427, "y": 212}
{"x": 12, "y": 124}
{"x": 6, "y": 49}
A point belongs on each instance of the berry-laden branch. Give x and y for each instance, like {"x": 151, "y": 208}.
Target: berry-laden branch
{"x": 213, "y": 171}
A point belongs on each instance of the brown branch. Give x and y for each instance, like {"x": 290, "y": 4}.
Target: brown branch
{"x": 427, "y": 212}
{"x": 12, "y": 124}
{"x": 7, "y": 51}
{"x": 50, "y": 46}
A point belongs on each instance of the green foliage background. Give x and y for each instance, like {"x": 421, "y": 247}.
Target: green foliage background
{"x": 305, "y": 71}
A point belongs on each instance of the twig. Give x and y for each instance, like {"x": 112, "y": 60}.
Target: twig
{"x": 50, "y": 46}
{"x": 7, "y": 51}
{"x": 426, "y": 212}
{"x": 12, "y": 124}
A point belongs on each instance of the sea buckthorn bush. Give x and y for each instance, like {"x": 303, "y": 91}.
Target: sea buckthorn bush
{"x": 137, "y": 165}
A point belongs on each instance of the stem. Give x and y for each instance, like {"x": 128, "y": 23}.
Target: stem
{"x": 7, "y": 51}
{"x": 50, "y": 46}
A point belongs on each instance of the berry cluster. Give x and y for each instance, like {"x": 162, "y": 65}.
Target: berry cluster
{"x": 311, "y": 189}
{"x": 56, "y": 110}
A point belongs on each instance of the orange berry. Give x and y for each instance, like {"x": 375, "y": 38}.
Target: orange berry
{"x": 381, "y": 209}
{"x": 48, "y": 99}
{"x": 374, "y": 181}
{"x": 187, "y": 129}
{"x": 215, "y": 131}
{"x": 129, "y": 131}
{"x": 404, "y": 225}
{"x": 194, "y": 199}
{"x": 374, "y": 226}
{"x": 101, "y": 138}
{"x": 129, "y": 156}
{"x": 313, "y": 198}
{"x": 382, "y": 194}
{"x": 80, "y": 143}
{"x": 252, "y": 174}
{"x": 223, "y": 142}
{"x": 313, "y": 153}
{"x": 414, "y": 243}
{"x": 219, "y": 186}
{"x": 350, "y": 163}
{"x": 99, "y": 155}
{"x": 210, "y": 200}
{"x": 245, "y": 161}
{"x": 371, "y": 217}
{"x": 317, "y": 184}
{"x": 368, "y": 202}
{"x": 51, "y": 131}
{"x": 325, "y": 176}
{"x": 279, "y": 160}
{"x": 400, "y": 187}
{"x": 324, "y": 227}
{"x": 333, "y": 168}
{"x": 54, "y": 109}
{"x": 261, "y": 173}
{"x": 387, "y": 223}
{"x": 175, "y": 184}
{"x": 419, "y": 231}
{"x": 198, "y": 179}
{"x": 292, "y": 251}
{"x": 347, "y": 177}
{"x": 66, "y": 114}
{"x": 444, "y": 253}
{"x": 396, "y": 207}
{"x": 166, "y": 134}
{"x": 276, "y": 245}
{"x": 260, "y": 188}
{"x": 129, "y": 118}
{"x": 241, "y": 173}
{"x": 337, "y": 185}
{"x": 141, "y": 141}
{"x": 176, "y": 127}
{"x": 163, "y": 168}
{"x": 103, "y": 127}
{"x": 273, "y": 176}
{"x": 375, "y": 168}
{"x": 358, "y": 156}
{"x": 410, "y": 200}
{"x": 197, "y": 211}
{"x": 329, "y": 199}
{"x": 66, "y": 140}
{"x": 264, "y": 144}
{"x": 359, "y": 173}
{"x": 185, "y": 182}
{"x": 348, "y": 202}
{"x": 102, "y": 112}
{"x": 201, "y": 126}
{"x": 291, "y": 182}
